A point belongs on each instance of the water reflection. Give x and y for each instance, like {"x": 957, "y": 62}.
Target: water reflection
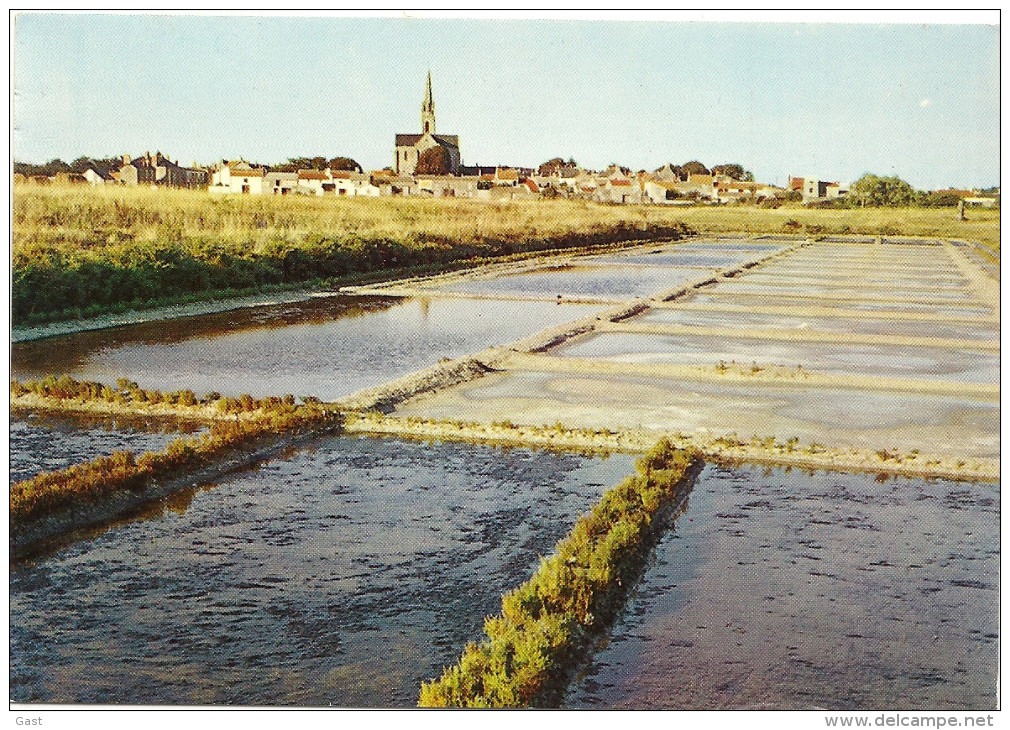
{"x": 343, "y": 575}
{"x": 838, "y": 591}
{"x": 322, "y": 347}
{"x": 67, "y": 353}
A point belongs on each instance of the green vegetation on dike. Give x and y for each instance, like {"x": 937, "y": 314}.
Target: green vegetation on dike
{"x": 549, "y": 623}
{"x": 89, "y": 483}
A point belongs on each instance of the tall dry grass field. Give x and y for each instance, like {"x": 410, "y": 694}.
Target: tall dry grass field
{"x": 80, "y": 251}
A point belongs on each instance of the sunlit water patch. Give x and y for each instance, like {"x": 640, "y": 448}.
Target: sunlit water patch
{"x": 327, "y": 347}
{"x": 927, "y": 363}
{"x": 602, "y": 282}
{"x": 741, "y": 319}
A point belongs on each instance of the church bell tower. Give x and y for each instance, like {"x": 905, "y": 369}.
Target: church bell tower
{"x": 428, "y": 111}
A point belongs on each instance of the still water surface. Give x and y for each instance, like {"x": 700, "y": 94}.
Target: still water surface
{"x": 611, "y": 283}
{"x": 327, "y": 347}
{"x": 927, "y": 363}
{"x": 781, "y": 590}
{"x": 343, "y": 574}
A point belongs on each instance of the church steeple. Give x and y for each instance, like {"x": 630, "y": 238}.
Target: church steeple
{"x": 428, "y": 110}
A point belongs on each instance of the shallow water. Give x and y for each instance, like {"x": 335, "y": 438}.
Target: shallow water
{"x": 44, "y": 442}
{"x": 343, "y": 574}
{"x": 840, "y": 325}
{"x": 957, "y": 427}
{"x": 713, "y": 256}
{"x": 781, "y": 590}
{"x": 326, "y": 347}
{"x": 817, "y": 288}
{"x": 723, "y": 297}
{"x": 874, "y": 281}
{"x": 927, "y": 363}
{"x": 602, "y": 282}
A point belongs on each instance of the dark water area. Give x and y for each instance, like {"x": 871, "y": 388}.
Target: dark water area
{"x": 343, "y": 574}
{"x": 46, "y": 442}
{"x": 785, "y": 590}
{"x": 324, "y": 347}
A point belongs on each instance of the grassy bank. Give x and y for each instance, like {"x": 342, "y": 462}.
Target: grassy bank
{"x": 81, "y": 251}
{"x": 981, "y": 225}
{"x": 549, "y": 623}
{"x": 248, "y": 419}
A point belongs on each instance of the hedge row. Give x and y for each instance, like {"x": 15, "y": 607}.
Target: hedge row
{"x": 548, "y": 623}
{"x": 51, "y": 492}
{"x": 66, "y": 388}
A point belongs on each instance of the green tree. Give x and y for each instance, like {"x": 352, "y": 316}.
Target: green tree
{"x": 556, "y": 164}
{"x": 733, "y": 170}
{"x": 876, "y": 191}
{"x": 344, "y": 163}
{"x": 940, "y": 199}
{"x": 301, "y": 163}
{"x": 694, "y": 168}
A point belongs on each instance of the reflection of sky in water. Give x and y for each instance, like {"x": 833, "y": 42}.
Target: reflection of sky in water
{"x": 855, "y": 359}
{"x": 716, "y": 295}
{"x": 949, "y": 426}
{"x": 606, "y": 282}
{"x": 841, "y": 325}
{"x": 344, "y": 574}
{"x": 790, "y": 590}
{"x": 326, "y": 348}
{"x": 834, "y": 290}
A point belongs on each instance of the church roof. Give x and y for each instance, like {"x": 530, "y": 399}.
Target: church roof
{"x": 408, "y": 140}
{"x": 446, "y": 140}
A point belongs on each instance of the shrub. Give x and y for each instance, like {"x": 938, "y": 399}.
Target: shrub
{"x": 548, "y": 621}
{"x": 51, "y": 491}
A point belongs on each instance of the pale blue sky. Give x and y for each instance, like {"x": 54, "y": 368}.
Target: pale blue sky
{"x": 829, "y": 100}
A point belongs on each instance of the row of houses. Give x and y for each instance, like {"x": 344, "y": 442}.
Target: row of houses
{"x": 148, "y": 169}
{"x": 617, "y": 185}
{"x": 240, "y": 177}
{"x": 613, "y": 185}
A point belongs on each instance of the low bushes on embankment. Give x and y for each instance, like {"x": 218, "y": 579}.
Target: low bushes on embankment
{"x": 99, "y": 490}
{"x": 81, "y": 252}
{"x": 549, "y": 623}
{"x": 128, "y": 397}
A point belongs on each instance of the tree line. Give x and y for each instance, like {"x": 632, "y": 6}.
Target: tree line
{"x": 732, "y": 170}
{"x": 57, "y": 166}
{"x": 876, "y": 191}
